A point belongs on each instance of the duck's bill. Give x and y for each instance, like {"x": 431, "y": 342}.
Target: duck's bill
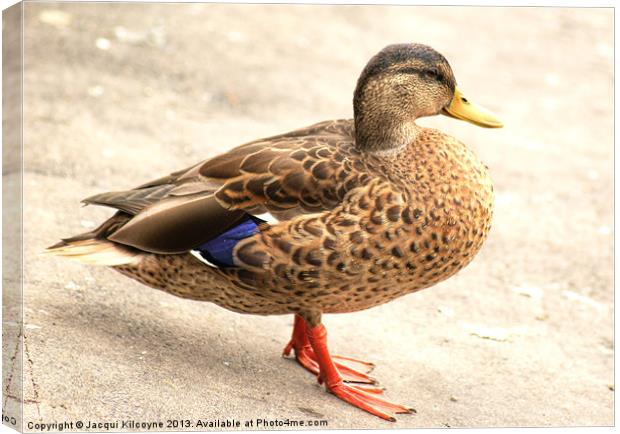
{"x": 462, "y": 108}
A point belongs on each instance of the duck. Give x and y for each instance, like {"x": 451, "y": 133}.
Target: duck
{"x": 336, "y": 217}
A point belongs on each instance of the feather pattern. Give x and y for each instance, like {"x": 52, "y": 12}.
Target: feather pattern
{"x": 344, "y": 217}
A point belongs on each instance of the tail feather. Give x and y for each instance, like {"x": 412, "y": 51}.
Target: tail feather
{"x": 93, "y": 247}
{"x": 95, "y": 252}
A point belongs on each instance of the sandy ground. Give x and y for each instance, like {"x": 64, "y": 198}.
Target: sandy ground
{"x": 116, "y": 95}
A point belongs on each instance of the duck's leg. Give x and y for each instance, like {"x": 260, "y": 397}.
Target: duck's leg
{"x": 352, "y": 370}
{"x": 368, "y": 398}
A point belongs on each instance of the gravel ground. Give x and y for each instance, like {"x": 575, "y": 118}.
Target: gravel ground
{"x": 118, "y": 94}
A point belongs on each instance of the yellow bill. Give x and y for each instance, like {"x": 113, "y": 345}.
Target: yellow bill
{"x": 462, "y": 108}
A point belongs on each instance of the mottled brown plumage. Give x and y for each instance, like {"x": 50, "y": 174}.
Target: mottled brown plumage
{"x": 394, "y": 224}
{"x": 369, "y": 209}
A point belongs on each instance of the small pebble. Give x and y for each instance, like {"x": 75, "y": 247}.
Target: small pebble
{"x": 528, "y": 291}
{"x": 129, "y": 36}
{"x": 447, "y": 311}
{"x": 108, "y": 152}
{"x": 103, "y": 43}
{"x": 235, "y": 36}
{"x": 71, "y": 285}
{"x": 96, "y": 91}
{"x": 552, "y": 80}
{"x": 55, "y": 17}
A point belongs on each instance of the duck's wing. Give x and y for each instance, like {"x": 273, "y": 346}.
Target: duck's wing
{"x": 305, "y": 171}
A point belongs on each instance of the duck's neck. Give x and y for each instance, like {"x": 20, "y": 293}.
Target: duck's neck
{"x": 382, "y": 123}
{"x": 383, "y": 135}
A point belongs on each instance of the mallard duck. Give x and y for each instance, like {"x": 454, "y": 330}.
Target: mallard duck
{"x": 339, "y": 216}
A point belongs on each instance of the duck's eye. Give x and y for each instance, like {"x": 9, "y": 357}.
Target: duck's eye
{"x": 431, "y": 73}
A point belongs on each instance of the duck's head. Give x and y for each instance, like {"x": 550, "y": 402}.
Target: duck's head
{"x": 404, "y": 82}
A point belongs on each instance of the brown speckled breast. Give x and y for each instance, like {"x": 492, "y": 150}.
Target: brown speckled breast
{"x": 421, "y": 217}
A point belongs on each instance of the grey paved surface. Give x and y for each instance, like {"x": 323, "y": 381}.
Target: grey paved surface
{"x": 120, "y": 94}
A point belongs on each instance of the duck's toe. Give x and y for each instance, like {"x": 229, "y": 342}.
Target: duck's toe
{"x": 369, "y": 399}
{"x": 351, "y": 370}
{"x": 356, "y": 364}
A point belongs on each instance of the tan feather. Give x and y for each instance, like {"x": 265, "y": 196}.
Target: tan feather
{"x": 96, "y": 252}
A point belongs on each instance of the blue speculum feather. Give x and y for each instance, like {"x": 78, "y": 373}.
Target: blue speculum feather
{"x": 219, "y": 250}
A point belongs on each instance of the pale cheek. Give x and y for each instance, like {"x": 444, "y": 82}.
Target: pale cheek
{"x": 424, "y": 100}
{"x": 426, "y": 107}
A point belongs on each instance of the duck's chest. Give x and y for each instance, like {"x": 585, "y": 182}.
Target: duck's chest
{"x": 443, "y": 219}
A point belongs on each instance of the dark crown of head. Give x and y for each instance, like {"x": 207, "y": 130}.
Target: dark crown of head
{"x": 402, "y": 53}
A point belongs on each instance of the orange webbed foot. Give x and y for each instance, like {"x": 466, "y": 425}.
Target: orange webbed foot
{"x": 351, "y": 370}
{"x": 310, "y": 346}
{"x": 369, "y": 399}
